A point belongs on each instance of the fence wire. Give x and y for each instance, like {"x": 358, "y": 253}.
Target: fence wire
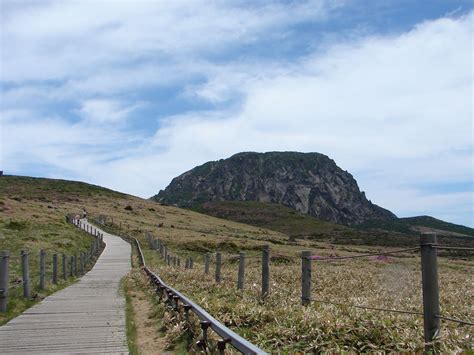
{"x": 318, "y": 258}
{"x": 367, "y": 307}
{"x": 454, "y": 248}
{"x": 464, "y": 322}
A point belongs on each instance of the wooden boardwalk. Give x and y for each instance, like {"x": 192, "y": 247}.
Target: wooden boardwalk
{"x": 85, "y": 318}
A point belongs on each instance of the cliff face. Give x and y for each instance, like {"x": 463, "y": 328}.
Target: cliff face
{"x": 310, "y": 183}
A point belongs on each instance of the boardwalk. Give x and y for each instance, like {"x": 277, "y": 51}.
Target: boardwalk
{"x": 86, "y": 318}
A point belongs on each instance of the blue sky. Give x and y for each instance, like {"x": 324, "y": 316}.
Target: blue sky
{"x": 129, "y": 94}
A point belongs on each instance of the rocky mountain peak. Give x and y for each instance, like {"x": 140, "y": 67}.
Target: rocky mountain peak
{"x": 310, "y": 183}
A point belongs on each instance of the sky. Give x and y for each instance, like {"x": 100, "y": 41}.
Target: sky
{"x": 129, "y": 94}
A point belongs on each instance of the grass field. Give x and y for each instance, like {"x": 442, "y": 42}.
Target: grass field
{"x": 278, "y": 324}
{"x": 32, "y": 217}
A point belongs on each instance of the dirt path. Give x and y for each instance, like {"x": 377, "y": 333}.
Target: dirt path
{"x": 148, "y": 336}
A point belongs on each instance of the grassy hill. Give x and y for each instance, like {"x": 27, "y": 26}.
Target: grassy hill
{"x": 32, "y": 215}
{"x": 403, "y": 231}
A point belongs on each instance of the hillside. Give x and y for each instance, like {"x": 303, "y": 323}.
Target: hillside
{"x": 41, "y": 204}
{"x": 309, "y": 183}
{"x": 43, "y": 201}
{"x": 403, "y": 231}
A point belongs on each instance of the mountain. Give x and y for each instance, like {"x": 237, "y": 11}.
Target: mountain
{"x": 310, "y": 183}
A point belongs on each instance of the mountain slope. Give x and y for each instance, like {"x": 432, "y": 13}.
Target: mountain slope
{"x": 310, "y": 183}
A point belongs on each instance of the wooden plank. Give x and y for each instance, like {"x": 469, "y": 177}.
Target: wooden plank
{"x": 87, "y": 317}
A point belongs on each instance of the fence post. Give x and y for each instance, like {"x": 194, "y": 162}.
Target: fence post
{"x": 4, "y": 259}
{"x": 429, "y": 277}
{"x": 207, "y": 263}
{"x": 71, "y": 272}
{"x": 42, "y": 269}
{"x": 75, "y": 265}
{"x": 64, "y": 267}
{"x": 165, "y": 250}
{"x": 305, "y": 277}
{"x": 26, "y": 273}
{"x": 218, "y": 266}
{"x": 191, "y": 263}
{"x": 81, "y": 263}
{"x": 179, "y": 262}
{"x": 241, "y": 276}
{"x": 55, "y": 269}
{"x": 265, "y": 270}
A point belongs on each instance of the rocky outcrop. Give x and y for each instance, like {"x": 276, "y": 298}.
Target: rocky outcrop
{"x": 310, "y": 183}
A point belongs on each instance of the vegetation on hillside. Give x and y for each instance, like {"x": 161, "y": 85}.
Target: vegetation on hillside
{"x": 32, "y": 217}
{"x": 279, "y": 323}
{"x": 276, "y": 217}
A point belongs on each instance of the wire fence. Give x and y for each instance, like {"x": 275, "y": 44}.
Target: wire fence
{"x": 428, "y": 251}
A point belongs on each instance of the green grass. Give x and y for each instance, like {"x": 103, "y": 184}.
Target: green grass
{"x": 131, "y": 328}
{"x": 32, "y": 217}
{"x": 54, "y": 238}
{"x": 430, "y": 222}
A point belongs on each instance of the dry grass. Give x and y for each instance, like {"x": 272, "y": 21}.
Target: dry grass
{"x": 280, "y": 323}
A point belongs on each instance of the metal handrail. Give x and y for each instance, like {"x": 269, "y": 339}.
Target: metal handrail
{"x": 235, "y": 340}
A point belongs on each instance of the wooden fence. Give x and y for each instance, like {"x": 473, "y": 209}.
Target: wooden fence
{"x": 53, "y": 267}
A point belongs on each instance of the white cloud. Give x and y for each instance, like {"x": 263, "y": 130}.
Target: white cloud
{"x": 394, "y": 110}
{"x": 73, "y": 39}
{"x": 101, "y": 111}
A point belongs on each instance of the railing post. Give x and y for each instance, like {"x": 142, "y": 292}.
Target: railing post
{"x": 265, "y": 270}
{"x": 221, "y": 346}
{"x": 71, "y": 261}
{"x": 64, "y": 267}
{"x": 26, "y": 273}
{"x": 42, "y": 269}
{"x": 187, "y": 321}
{"x": 305, "y": 277}
{"x": 204, "y": 326}
{"x": 241, "y": 276}
{"x": 4, "y": 259}
{"x": 429, "y": 277}
{"x": 207, "y": 263}
{"x": 55, "y": 269}
{"x": 218, "y": 266}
